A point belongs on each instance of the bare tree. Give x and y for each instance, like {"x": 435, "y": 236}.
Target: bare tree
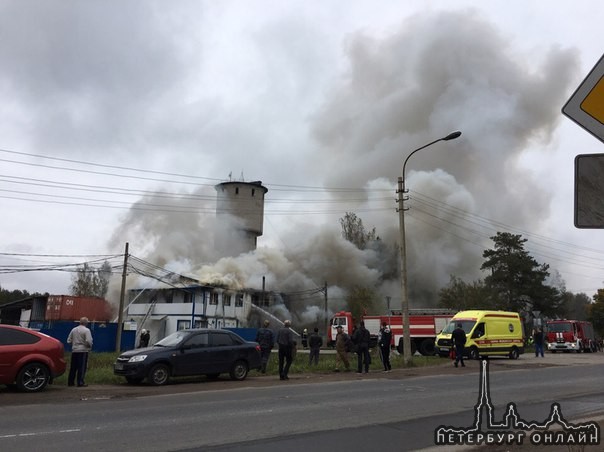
{"x": 354, "y": 231}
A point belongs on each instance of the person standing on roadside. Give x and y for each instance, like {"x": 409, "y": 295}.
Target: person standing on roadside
{"x": 459, "y": 340}
{"x": 285, "y": 341}
{"x": 266, "y": 340}
{"x": 80, "y": 339}
{"x": 538, "y": 341}
{"x": 384, "y": 341}
{"x": 361, "y": 338}
{"x": 343, "y": 343}
{"x": 315, "y": 342}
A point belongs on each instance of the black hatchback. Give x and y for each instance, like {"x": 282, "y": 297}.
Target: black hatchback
{"x": 207, "y": 352}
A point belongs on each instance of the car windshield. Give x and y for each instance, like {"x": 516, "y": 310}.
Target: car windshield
{"x": 467, "y": 325}
{"x": 559, "y": 327}
{"x": 339, "y": 321}
{"x": 172, "y": 340}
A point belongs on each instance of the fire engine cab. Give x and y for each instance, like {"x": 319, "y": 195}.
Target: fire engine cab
{"x": 570, "y": 335}
{"x": 424, "y": 325}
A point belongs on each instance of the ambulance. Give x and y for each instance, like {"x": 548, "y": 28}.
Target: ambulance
{"x": 488, "y": 333}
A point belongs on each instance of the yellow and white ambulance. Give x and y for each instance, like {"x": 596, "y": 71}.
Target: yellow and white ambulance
{"x": 488, "y": 333}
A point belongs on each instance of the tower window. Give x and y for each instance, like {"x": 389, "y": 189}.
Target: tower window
{"x": 236, "y": 190}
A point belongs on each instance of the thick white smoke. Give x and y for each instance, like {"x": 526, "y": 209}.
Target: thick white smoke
{"x": 435, "y": 74}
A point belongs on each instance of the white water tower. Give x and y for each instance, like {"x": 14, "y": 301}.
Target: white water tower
{"x": 240, "y": 216}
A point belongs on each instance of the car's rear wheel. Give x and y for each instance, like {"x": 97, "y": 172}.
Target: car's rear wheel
{"x": 159, "y": 375}
{"x": 33, "y": 377}
{"x": 134, "y": 380}
{"x": 239, "y": 370}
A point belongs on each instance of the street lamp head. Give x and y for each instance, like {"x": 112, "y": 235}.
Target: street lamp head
{"x": 452, "y": 136}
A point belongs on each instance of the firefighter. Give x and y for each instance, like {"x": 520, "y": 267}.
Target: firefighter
{"x": 305, "y": 338}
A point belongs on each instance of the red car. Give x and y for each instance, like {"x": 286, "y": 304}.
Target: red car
{"x": 29, "y": 360}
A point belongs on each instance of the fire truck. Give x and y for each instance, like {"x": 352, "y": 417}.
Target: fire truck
{"x": 424, "y": 325}
{"x": 571, "y": 335}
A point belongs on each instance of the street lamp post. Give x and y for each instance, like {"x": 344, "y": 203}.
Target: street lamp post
{"x": 403, "y": 249}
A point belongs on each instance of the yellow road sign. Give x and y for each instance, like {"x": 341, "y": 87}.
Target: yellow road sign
{"x": 586, "y": 105}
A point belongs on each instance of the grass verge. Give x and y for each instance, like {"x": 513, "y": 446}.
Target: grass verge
{"x": 100, "y": 365}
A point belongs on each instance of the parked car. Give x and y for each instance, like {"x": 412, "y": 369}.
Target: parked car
{"x": 29, "y": 360}
{"x": 207, "y": 352}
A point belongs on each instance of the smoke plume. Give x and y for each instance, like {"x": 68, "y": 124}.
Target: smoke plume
{"x": 435, "y": 74}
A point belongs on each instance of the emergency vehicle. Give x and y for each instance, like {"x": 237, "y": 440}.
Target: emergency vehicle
{"x": 487, "y": 333}
{"x": 424, "y": 325}
{"x": 570, "y": 335}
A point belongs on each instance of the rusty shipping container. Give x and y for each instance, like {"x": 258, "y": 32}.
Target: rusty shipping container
{"x": 67, "y": 307}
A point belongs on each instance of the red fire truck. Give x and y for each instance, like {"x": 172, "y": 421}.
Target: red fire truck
{"x": 424, "y": 325}
{"x": 570, "y": 335}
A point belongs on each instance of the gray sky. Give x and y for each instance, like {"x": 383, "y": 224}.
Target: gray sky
{"x": 110, "y": 107}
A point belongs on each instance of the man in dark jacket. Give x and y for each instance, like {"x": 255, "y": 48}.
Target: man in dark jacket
{"x": 384, "y": 342}
{"x": 315, "y": 342}
{"x": 361, "y": 338}
{"x": 459, "y": 340}
{"x": 538, "y": 340}
{"x": 285, "y": 341}
{"x": 266, "y": 340}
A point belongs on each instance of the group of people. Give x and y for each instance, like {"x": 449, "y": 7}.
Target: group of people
{"x": 80, "y": 339}
{"x": 344, "y": 344}
{"x": 359, "y": 343}
{"x": 286, "y": 347}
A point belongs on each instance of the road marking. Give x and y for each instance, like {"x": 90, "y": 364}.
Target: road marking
{"x": 22, "y": 435}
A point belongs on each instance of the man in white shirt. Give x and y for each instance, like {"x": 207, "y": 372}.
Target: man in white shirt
{"x": 80, "y": 339}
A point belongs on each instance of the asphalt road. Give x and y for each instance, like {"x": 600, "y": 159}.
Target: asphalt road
{"x": 343, "y": 412}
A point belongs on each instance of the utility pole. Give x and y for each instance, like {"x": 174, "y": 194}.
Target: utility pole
{"x": 326, "y": 319}
{"x": 120, "y": 315}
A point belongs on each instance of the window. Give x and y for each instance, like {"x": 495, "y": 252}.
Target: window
{"x": 226, "y": 299}
{"x": 559, "y": 327}
{"x": 479, "y": 331}
{"x": 186, "y": 324}
{"x": 253, "y": 191}
{"x": 198, "y": 341}
{"x": 239, "y": 300}
{"x": 221, "y": 339}
{"x": 236, "y": 190}
{"x": 214, "y": 298}
{"x": 9, "y": 336}
{"x": 183, "y": 324}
